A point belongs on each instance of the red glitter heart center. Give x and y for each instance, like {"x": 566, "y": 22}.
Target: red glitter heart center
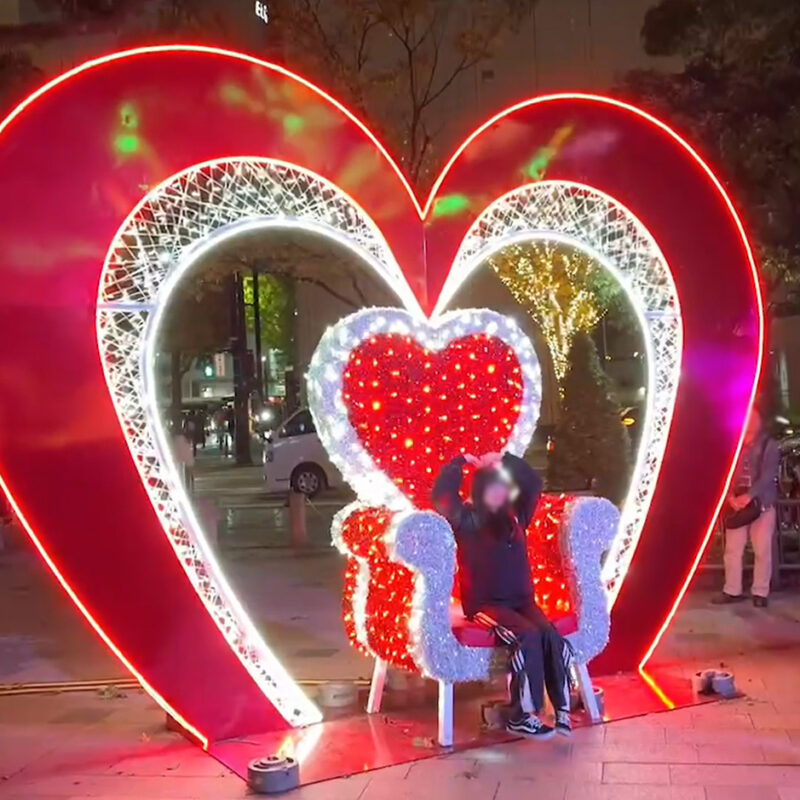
{"x": 414, "y": 409}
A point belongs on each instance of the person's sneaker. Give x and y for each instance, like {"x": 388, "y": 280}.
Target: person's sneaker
{"x": 760, "y": 602}
{"x": 723, "y": 599}
{"x": 530, "y": 726}
{"x": 563, "y": 723}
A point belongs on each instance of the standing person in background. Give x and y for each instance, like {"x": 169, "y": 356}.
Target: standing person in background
{"x": 189, "y": 428}
{"x": 750, "y": 512}
{"x": 200, "y": 429}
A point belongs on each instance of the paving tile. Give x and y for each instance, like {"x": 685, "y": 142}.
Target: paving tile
{"x": 556, "y": 751}
{"x": 782, "y": 753}
{"x": 442, "y": 769}
{"x": 596, "y": 734}
{"x": 467, "y": 786}
{"x": 620, "y": 791}
{"x": 342, "y": 789}
{"x": 768, "y": 720}
{"x": 725, "y": 737}
{"x": 638, "y": 753}
{"x": 730, "y": 754}
{"x": 557, "y": 770}
{"x": 176, "y": 760}
{"x": 544, "y": 789}
{"x": 741, "y": 721}
{"x": 618, "y": 772}
{"x": 621, "y": 733}
{"x": 734, "y": 775}
{"x": 152, "y": 788}
{"x": 18, "y": 753}
{"x": 741, "y": 793}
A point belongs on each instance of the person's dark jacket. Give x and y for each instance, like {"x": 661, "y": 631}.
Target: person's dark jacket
{"x": 493, "y": 569}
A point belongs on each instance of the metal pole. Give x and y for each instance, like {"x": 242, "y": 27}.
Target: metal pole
{"x": 257, "y": 335}
{"x": 242, "y": 374}
{"x": 298, "y": 532}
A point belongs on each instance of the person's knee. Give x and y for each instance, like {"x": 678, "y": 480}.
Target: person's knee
{"x": 734, "y": 545}
{"x": 552, "y": 637}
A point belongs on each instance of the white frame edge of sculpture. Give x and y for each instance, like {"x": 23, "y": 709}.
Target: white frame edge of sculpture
{"x": 153, "y": 262}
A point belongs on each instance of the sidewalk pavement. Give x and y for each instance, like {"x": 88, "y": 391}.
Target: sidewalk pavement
{"x": 114, "y": 745}
{"x": 89, "y": 745}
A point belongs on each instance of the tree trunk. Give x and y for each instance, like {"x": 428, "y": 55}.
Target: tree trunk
{"x": 242, "y": 374}
{"x": 257, "y": 337}
{"x": 293, "y": 387}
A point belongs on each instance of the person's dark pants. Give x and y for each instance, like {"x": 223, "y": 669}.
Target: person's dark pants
{"x": 543, "y": 649}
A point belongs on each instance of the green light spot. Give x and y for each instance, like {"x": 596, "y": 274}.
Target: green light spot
{"x": 537, "y": 168}
{"x": 231, "y": 93}
{"x": 293, "y": 124}
{"x": 450, "y": 205}
{"x": 126, "y": 143}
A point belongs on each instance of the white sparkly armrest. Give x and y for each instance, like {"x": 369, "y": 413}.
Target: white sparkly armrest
{"x": 588, "y": 529}
{"x": 423, "y": 541}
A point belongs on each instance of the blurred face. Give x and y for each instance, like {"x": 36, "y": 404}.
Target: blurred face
{"x": 496, "y": 495}
{"x": 753, "y": 426}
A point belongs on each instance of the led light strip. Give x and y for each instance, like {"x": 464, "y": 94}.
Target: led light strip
{"x": 98, "y": 629}
{"x": 148, "y": 257}
{"x": 422, "y": 210}
{"x": 611, "y": 235}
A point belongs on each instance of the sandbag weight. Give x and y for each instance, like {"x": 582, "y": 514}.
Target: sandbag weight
{"x": 722, "y": 683}
{"x": 273, "y": 775}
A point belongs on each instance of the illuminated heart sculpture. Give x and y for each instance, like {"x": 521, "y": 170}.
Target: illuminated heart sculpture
{"x": 176, "y": 149}
{"x": 395, "y": 397}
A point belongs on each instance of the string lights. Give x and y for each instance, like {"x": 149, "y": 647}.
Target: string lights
{"x": 399, "y": 582}
{"x": 376, "y": 602}
{"x": 557, "y": 286}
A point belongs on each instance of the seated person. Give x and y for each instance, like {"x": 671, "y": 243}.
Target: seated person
{"x": 495, "y": 580}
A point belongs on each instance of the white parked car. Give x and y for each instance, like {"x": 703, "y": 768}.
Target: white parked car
{"x": 295, "y": 458}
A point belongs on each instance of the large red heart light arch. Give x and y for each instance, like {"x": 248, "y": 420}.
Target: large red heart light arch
{"x": 98, "y": 501}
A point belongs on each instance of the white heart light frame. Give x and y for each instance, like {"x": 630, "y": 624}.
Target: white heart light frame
{"x": 193, "y": 211}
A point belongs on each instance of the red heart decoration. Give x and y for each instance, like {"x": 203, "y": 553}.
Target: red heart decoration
{"x": 414, "y": 410}
{"x": 67, "y": 466}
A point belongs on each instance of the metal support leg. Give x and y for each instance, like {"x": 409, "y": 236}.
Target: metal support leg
{"x": 587, "y": 692}
{"x": 445, "y": 714}
{"x": 376, "y": 687}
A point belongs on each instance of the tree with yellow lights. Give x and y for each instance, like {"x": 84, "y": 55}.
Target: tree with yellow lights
{"x": 561, "y": 287}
